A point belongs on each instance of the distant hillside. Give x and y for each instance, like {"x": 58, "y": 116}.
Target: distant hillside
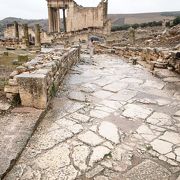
{"x": 3, "y": 23}
{"x": 117, "y": 19}
{"x": 121, "y": 19}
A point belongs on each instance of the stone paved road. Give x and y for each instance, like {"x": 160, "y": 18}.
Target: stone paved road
{"x": 109, "y": 121}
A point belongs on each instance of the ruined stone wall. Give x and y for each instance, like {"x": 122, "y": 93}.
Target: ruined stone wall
{"x": 38, "y": 80}
{"x": 46, "y": 38}
{"x": 160, "y": 58}
{"x": 79, "y": 17}
{"x": 9, "y": 32}
{"x": 79, "y": 35}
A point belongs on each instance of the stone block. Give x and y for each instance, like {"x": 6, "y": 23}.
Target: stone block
{"x": 10, "y": 96}
{"x": 33, "y": 90}
{"x": 13, "y": 82}
{"x": 11, "y": 89}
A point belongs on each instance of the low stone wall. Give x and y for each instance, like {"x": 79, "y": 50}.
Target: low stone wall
{"x": 162, "y": 58}
{"x": 38, "y": 80}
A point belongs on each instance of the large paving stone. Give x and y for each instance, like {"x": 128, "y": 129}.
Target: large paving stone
{"x": 123, "y": 95}
{"x": 177, "y": 152}
{"x": 80, "y": 155}
{"x": 111, "y": 104}
{"x": 109, "y": 131}
{"x": 148, "y": 170}
{"x": 80, "y": 117}
{"x": 146, "y": 133}
{"x": 154, "y": 84}
{"x": 77, "y": 96}
{"x": 115, "y": 87}
{"x": 50, "y": 139}
{"x": 98, "y": 154}
{"x": 159, "y": 119}
{"x": 101, "y": 178}
{"x": 135, "y": 111}
{"x": 132, "y": 80}
{"x": 90, "y": 138}
{"x": 172, "y": 79}
{"x": 102, "y": 94}
{"x": 161, "y": 146}
{"x": 171, "y": 137}
{"x": 53, "y": 160}
{"x": 68, "y": 172}
{"x": 98, "y": 114}
{"x": 94, "y": 171}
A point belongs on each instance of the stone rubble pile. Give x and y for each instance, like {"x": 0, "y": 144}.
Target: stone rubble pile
{"x": 36, "y": 81}
{"x": 157, "y": 57}
{"x": 169, "y": 38}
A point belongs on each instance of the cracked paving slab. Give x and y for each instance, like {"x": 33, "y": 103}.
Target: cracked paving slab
{"x": 111, "y": 121}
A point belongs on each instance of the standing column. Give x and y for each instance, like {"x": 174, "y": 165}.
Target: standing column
{"x": 26, "y": 35}
{"x": 58, "y": 21}
{"x": 64, "y": 19}
{"x": 50, "y": 19}
{"x": 37, "y": 36}
{"x": 53, "y": 20}
{"x": 16, "y": 29}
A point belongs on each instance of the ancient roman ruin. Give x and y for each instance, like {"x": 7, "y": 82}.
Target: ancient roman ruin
{"x": 64, "y": 116}
{"x": 78, "y": 18}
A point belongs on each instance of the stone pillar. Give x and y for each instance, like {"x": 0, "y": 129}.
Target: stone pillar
{"x": 26, "y": 35}
{"x": 37, "y": 36}
{"x": 64, "y": 19}
{"x": 58, "y": 21}
{"x": 55, "y": 20}
{"x": 132, "y": 35}
{"x": 50, "y": 19}
{"x": 16, "y": 30}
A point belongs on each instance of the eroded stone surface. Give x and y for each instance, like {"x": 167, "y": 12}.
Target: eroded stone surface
{"x": 160, "y": 119}
{"x": 80, "y": 154}
{"x": 90, "y": 138}
{"x": 98, "y": 154}
{"x": 135, "y": 111}
{"x": 109, "y": 131}
{"x": 161, "y": 146}
{"x": 105, "y": 120}
{"x": 77, "y": 96}
{"x": 148, "y": 170}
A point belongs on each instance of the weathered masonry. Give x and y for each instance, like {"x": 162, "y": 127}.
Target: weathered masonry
{"x": 37, "y": 81}
{"x": 78, "y": 18}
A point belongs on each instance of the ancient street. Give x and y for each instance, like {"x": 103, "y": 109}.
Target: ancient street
{"x": 110, "y": 120}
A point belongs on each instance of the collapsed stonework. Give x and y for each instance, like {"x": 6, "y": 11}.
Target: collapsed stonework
{"x": 155, "y": 57}
{"x": 78, "y": 17}
{"x": 17, "y": 33}
{"x": 37, "y": 81}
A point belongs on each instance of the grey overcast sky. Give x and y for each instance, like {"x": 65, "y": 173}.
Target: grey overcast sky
{"x": 35, "y": 9}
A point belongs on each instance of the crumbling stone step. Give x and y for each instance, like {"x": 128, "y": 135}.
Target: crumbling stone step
{"x": 16, "y": 129}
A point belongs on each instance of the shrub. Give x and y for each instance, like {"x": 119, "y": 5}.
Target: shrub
{"x": 176, "y": 21}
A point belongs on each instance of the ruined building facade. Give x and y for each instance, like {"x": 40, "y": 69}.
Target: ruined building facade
{"x": 78, "y": 18}
{"x": 16, "y": 31}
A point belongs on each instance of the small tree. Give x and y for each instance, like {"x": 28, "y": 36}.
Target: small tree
{"x": 176, "y": 21}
